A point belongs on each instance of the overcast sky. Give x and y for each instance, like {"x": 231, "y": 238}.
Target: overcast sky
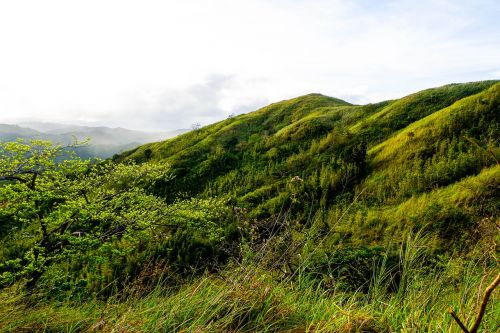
{"x": 162, "y": 65}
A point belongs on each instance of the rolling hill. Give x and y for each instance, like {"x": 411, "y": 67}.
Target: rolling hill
{"x": 385, "y": 155}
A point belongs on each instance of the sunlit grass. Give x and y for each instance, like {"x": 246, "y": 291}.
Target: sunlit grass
{"x": 249, "y": 299}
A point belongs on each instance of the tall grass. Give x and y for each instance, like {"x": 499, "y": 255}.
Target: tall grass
{"x": 406, "y": 297}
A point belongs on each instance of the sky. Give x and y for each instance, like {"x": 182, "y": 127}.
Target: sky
{"x": 163, "y": 65}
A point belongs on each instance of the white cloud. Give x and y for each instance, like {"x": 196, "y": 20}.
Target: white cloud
{"x": 167, "y": 64}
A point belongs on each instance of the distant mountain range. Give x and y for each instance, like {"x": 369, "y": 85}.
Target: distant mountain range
{"x": 104, "y": 141}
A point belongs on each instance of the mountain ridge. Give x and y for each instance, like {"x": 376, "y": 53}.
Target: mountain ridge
{"x": 336, "y": 148}
{"x": 104, "y": 141}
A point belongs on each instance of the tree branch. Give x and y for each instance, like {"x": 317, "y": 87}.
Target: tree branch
{"x": 84, "y": 194}
{"x": 459, "y": 322}
{"x": 3, "y": 178}
{"x": 33, "y": 181}
{"x": 482, "y": 310}
{"x": 486, "y": 297}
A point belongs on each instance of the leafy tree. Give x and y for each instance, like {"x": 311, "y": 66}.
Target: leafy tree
{"x": 72, "y": 206}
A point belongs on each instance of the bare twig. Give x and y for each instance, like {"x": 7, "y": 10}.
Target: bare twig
{"x": 459, "y": 322}
{"x": 482, "y": 310}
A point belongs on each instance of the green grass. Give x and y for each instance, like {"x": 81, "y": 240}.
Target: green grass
{"x": 249, "y": 299}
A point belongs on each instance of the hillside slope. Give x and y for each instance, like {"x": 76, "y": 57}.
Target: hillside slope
{"x": 382, "y": 154}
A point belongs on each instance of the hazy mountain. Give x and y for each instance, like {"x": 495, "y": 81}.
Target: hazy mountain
{"x": 104, "y": 141}
{"x": 11, "y": 132}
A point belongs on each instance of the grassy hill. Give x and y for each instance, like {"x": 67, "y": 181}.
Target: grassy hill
{"x": 383, "y": 154}
{"x": 308, "y": 215}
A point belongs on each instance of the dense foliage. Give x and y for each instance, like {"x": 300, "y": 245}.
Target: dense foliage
{"x": 78, "y": 225}
{"x": 308, "y": 206}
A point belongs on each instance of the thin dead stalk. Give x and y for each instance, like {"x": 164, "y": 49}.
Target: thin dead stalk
{"x": 482, "y": 309}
